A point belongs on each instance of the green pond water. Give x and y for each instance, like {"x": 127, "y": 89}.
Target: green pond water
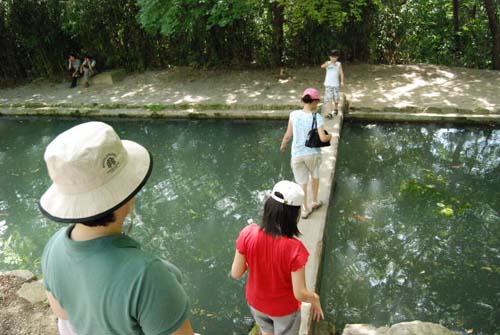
{"x": 209, "y": 179}
{"x": 414, "y": 229}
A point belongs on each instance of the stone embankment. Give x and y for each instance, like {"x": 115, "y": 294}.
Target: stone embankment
{"x": 23, "y": 305}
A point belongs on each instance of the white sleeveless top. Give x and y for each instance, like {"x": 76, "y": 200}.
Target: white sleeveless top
{"x": 332, "y": 74}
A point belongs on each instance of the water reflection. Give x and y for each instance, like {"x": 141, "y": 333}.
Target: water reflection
{"x": 209, "y": 179}
{"x": 415, "y": 228}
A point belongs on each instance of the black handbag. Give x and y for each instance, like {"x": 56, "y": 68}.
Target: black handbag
{"x": 313, "y": 140}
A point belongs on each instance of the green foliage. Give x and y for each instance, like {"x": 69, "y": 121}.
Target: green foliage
{"x": 17, "y": 252}
{"x": 36, "y": 36}
{"x": 122, "y": 43}
{"x": 30, "y": 38}
{"x": 422, "y": 31}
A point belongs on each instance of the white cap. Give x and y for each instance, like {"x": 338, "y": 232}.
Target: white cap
{"x": 293, "y": 195}
{"x": 93, "y": 173}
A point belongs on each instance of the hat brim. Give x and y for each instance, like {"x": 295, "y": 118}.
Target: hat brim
{"x": 105, "y": 199}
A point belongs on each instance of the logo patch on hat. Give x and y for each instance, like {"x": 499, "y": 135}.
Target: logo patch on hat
{"x": 110, "y": 163}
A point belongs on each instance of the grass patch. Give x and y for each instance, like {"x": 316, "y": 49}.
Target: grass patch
{"x": 113, "y": 106}
{"x": 155, "y": 107}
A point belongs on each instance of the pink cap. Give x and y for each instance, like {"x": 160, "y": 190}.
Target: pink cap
{"x": 312, "y": 92}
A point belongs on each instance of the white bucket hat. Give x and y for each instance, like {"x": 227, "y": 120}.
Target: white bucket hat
{"x": 93, "y": 173}
{"x": 293, "y": 194}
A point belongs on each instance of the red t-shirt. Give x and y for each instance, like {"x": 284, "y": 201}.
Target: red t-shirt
{"x": 271, "y": 261}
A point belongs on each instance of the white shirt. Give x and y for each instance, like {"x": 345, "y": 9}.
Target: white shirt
{"x": 332, "y": 74}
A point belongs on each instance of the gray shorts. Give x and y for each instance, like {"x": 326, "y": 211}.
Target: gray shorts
{"x": 278, "y": 325}
{"x": 303, "y": 166}
{"x": 332, "y": 93}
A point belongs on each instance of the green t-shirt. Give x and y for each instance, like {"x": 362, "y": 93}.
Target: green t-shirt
{"x": 109, "y": 286}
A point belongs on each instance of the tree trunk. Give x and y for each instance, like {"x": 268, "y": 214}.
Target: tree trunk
{"x": 278, "y": 20}
{"x": 495, "y": 32}
{"x": 456, "y": 26}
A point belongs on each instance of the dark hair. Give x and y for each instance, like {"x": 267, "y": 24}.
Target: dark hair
{"x": 280, "y": 219}
{"x": 72, "y": 54}
{"x": 307, "y": 99}
{"x": 334, "y": 52}
{"x": 104, "y": 220}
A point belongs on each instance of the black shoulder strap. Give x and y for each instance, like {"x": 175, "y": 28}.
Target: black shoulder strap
{"x": 314, "y": 123}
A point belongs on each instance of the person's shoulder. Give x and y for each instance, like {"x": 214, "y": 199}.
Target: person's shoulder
{"x": 53, "y": 244}
{"x": 293, "y": 241}
{"x": 249, "y": 232}
{"x": 58, "y": 235}
{"x": 251, "y": 228}
{"x": 156, "y": 264}
{"x": 296, "y": 245}
{"x": 296, "y": 113}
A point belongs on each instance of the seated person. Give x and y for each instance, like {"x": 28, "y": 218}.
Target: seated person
{"x": 73, "y": 69}
{"x": 88, "y": 69}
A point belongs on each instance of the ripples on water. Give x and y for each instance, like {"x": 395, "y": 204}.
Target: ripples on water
{"x": 414, "y": 227}
{"x": 209, "y": 179}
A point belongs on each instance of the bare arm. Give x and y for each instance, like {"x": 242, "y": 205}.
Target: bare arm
{"x": 324, "y": 65}
{"x": 239, "y": 266}
{"x": 301, "y": 293}
{"x": 56, "y": 308}
{"x": 341, "y": 75}
{"x": 185, "y": 329}
{"x": 286, "y": 138}
{"x": 324, "y": 137}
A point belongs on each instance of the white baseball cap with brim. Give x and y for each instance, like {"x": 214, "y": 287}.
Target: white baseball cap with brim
{"x": 293, "y": 194}
{"x": 93, "y": 172}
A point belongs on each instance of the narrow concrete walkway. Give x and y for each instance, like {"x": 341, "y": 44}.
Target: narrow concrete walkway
{"x": 313, "y": 227}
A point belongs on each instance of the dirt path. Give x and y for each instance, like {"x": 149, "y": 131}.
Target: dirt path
{"x": 373, "y": 86}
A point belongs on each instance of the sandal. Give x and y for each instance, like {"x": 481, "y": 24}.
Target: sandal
{"x": 305, "y": 214}
{"x": 316, "y": 205}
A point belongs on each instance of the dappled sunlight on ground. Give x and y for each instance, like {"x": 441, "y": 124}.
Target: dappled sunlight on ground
{"x": 424, "y": 85}
{"x": 374, "y": 86}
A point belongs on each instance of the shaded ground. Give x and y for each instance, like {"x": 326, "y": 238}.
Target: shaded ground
{"x": 373, "y": 86}
{"x": 19, "y": 316}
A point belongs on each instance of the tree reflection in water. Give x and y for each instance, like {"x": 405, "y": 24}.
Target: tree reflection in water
{"x": 414, "y": 231}
{"x": 209, "y": 179}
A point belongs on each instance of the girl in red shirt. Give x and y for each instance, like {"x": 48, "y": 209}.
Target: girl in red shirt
{"x": 276, "y": 261}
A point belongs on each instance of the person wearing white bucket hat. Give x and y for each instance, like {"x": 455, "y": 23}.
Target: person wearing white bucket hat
{"x": 97, "y": 279}
{"x": 275, "y": 260}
